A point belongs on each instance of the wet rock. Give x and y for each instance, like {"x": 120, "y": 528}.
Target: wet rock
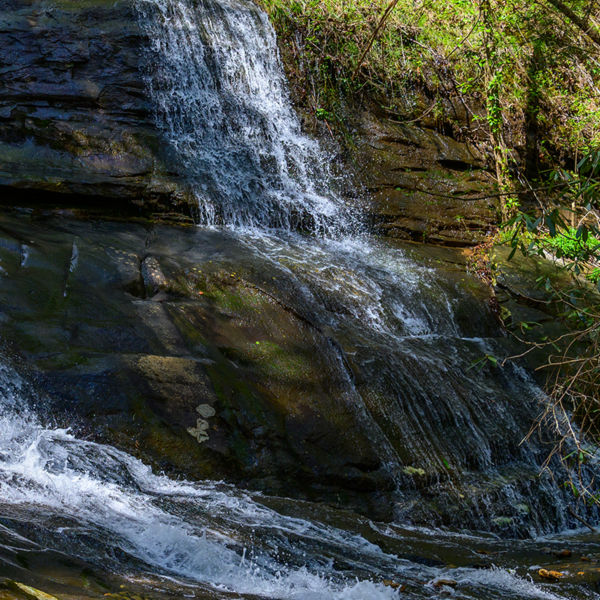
{"x": 424, "y": 186}
{"x": 440, "y": 583}
{"x": 153, "y": 277}
{"x": 77, "y": 128}
{"x": 228, "y": 384}
{"x": 76, "y": 125}
{"x": 307, "y": 400}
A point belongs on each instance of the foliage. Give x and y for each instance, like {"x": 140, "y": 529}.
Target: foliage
{"x": 505, "y": 66}
{"x": 569, "y": 245}
{"x": 568, "y": 229}
{"x": 565, "y": 244}
{"x": 568, "y": 225}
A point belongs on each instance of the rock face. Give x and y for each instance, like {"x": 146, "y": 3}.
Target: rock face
{"x": 75, "y": 121}
{"x": 76, "y": 126}
{"x": 424, "y": 186}
{"x": 154, "y": 342}
{"x": 275, "y": 365}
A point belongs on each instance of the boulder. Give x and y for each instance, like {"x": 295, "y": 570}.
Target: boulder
{"x": 199, "y": 371}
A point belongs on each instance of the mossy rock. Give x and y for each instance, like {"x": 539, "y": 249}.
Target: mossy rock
{"x": 140, "y": 370}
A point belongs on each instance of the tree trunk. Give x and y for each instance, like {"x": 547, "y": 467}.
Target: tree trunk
{"x": 532, "y": 110}
{"x": 584, "y": 25}
{"x": 494, "y": 107}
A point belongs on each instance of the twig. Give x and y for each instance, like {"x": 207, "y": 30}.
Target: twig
{"x": 582, "y": 521}
{"x": 384, "y": 18}
{"x": 497, "y": 194}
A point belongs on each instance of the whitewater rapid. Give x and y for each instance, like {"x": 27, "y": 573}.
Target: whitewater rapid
{"x": 198, "y": 533}
{"x": 123, "y": 504}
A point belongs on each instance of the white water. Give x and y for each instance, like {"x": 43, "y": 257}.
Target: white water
{"x": 222, "y": 100}
{"x": 206, "y": 533}
{"x": 220, "y": 96}
{"x": 125, "y": 505}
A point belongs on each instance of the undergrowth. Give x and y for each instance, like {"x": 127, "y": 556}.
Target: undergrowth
{"x": 427, "y": 63}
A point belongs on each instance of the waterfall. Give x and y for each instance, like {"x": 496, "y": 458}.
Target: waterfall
{"x": 222, "y": 101}
{"x": 220, "y": 96}
{"x": 177, "y": 528}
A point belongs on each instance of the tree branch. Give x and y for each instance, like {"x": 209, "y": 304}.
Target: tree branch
{"x": 576, "y": 20}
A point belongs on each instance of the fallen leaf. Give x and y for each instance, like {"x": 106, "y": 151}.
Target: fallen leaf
{"x": 389, "y": 583}
{"x": 550, "y": 574}
{"x": 442, "y": 582}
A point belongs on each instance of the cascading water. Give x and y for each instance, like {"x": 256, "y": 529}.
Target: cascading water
{"x": 220, "y": 96}
{"x": 101, "y": 507}
{"x": 118, "y": 502}
{"x": 221, "y": 99}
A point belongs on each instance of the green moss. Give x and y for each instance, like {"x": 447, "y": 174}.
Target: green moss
{"x": 503, "y": 521}
{"x": 274, "y": 360}
{"x": 234, "y": 299}
{"x": 187, "y": 324}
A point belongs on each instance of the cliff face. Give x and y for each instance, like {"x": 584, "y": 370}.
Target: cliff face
{"x": 423, "y": 185}
{"x": 74, "y": 116}
{"x": 76, "y": 126}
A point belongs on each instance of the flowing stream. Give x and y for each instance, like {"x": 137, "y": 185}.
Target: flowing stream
{"x": 76, "y": 513}
{"x": 84, "y": 520}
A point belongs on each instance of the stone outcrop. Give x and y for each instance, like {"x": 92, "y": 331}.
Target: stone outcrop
{"x": 76, "y": 128}
{"x": 423, "y": 186}
{"x": 76, "y": 124}
{"x": 138, "y": 339}
{"x": 196, "y": 352}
